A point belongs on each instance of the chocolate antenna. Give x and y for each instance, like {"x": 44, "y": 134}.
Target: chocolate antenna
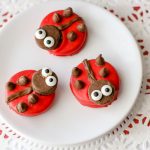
{"x": 89, "y": 70}
{"x": 19, "y": 94}
{"x": 68, "y": 24}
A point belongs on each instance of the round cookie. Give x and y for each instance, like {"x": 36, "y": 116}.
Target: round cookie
{"x": 31, "y": 92}
{"x": 95, "y": 83}
{"x": 62, "y": 33}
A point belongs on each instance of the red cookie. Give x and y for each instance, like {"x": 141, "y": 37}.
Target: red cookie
{"x": 95, "y": 83}
{"x": 62, "y": 33}
{"x": 31, "y": 92}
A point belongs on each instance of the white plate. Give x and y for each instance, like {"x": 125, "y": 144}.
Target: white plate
{"x": 68, "y": 122}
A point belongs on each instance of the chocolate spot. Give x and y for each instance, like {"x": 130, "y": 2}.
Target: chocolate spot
{"x": 68, "y": 12}
{"x": 71, "y": 36}
{"x": 23, "y": 80}
{"x": 104, "y": 72}
{"x": 32, "y": 98}
{"x": 79, "y": 84}
{"x": 10, "y": 86}
{"x": 22, "y": 107}
{"x": 81, "y": 27}
{"x": 100, "y": 60}
{"x": 76, "y": 72}
{"x": 56, "y": 17}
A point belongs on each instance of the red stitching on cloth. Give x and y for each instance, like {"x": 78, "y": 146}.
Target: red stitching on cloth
{"x": 5, "y": 14}
{"x": 136, "y": 8}
{"x": 111, "y": 10}
{"x": 148, "y": 123}
{"x": 144, "y": 119}
{"x": 147, "y": 87}
{"x": 145, "y": 53}
{"x": 126, "y": 132}
{"x": 136, "y": 121}
{"x": 130, "y": 125}
{"x": 135, "y": 16}
{"x": 140, "y": 40}
{"x": 1, "y": 132}
{"x": 148, "y": 80}
{"x": 141, "y": 14}
{"x": 6, "y": 136}
{"x": 11, "y": 16}
{"x": 5, "y": 20}
{"x": 137, "y": 12}
{"x": 122, "y": 19}
{"x": 147, "y": 93}
{"x": 142, "y": 47}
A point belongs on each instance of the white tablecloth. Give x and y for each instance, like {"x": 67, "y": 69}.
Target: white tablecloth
{"x": 134, "y": 132}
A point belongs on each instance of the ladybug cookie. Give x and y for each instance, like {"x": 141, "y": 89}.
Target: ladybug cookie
{"x": 95, "y": 83}
{"x": 31, "y": 92}
{"x": 62, "y": 33}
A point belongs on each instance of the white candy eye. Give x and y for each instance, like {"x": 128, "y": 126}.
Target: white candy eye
{"x": 46, "y": 72}
{"x": 106, "y": 90}
{"x": 49, "y": 41}
{"x": 40, "y": 34}
{"x": 51, "y": 81}
{"x": 96, "y": 95}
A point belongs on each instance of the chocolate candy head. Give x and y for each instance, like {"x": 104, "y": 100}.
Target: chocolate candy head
{"x": 101, "y": 92}
{"x": 48, "y": 37}
{"x": 44, "y": 81}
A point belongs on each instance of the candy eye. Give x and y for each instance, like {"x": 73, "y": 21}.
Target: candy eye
{"x": 46, "y": 72}
{"x": 51, "y": 81}
{"x": 96, "y": 95}
{"x": 106, "y": 90}
{"x": 49, "y": 41}
{"x": 40, "y": 34}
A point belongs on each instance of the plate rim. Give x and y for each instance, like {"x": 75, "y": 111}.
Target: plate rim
{"x": 140, "y": 69}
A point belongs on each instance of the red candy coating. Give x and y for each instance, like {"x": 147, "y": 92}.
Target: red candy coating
{"x": 82, "y": 94}
{"x": 66, "y": 47}
{"x": 44, "y": 102}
